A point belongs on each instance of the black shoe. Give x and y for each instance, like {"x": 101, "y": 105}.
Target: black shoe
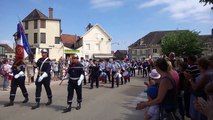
{"x": 35, "y": 106}
{"x": 9, "y": 104}
{"x": 78, "y": 106}
{"x": 25, "y": 100}
{"x": 67, "y": 109}
{"x": 49, "y": 102}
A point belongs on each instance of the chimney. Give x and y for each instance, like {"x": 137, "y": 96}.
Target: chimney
{"x": 50, "y": 13}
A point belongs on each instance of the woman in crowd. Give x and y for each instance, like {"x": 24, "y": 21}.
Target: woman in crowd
{"x": 167, "y": 95}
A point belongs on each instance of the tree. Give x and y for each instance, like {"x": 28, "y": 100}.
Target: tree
{"x": 182, "y": 43}
{"x": 207, "y": 1}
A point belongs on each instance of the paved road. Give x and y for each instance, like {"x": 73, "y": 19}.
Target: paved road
{"x": 102, "y": 103}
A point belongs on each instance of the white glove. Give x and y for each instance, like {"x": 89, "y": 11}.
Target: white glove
{"x": 21, "y": 73}
{"x": 44, "y": 75}
{"x": 80, "y": 80}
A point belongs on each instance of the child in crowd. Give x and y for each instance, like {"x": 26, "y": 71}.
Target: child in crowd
{"x": 153, "y": 112}
{"x": 153, "y": 77}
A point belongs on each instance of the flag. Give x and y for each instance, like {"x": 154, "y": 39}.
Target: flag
{"x": 22, "y": 46}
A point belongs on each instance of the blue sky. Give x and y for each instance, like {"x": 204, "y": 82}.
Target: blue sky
{"x": 125, "y": 20}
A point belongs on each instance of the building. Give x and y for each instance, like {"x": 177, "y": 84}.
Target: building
{"x": 43, "y": 32}
{"x": 148, "y": 46}
{"x": 2, "y": 52}
{"x": 9, "y": 52}
{"x": 208, "y": 44}
{"x": 96, "y": 43}
{"x": 120, "y": 54}
{"x": 71, "y": 44}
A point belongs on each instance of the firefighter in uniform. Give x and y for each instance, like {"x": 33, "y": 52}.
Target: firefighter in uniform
{"x": 18, "y": 70}
{"x": 44, "y": 66}
{"x": 75, "y": 74}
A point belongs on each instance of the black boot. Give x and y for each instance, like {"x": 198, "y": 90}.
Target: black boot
{"x": 36, "y": 106}
{"x": 9, "y": 104}
{"x": 25, "y": 100}
{"x": 78, "y": 106}
{"x": 49, "y": 102}
{"x": 67, "y": 109}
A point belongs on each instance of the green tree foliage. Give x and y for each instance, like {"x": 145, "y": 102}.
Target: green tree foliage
{"x": 182, "y": 43}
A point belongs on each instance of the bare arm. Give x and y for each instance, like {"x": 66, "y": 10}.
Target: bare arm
{"x": 163, "y": 88}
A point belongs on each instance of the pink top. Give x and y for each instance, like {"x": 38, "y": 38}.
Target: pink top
{"x": 175, "y": 76}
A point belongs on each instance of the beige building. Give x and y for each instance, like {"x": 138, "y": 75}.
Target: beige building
{"x": 43, "y": 32}
{"x": 9, "y": 52}
{"x": 95, "y": 43}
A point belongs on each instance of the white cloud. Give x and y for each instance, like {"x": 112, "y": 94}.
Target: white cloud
{"x": 183, "y": 10}
{"x": 106, "y": 3}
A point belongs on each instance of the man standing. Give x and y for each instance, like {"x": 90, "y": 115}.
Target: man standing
{"x": 75, "y": 73}
{"x": 43, "y": 78}
{"x": 18, "y": 70}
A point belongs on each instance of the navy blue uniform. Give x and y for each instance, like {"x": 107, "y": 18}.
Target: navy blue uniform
{"x": 46, "y": 81}
{"x": 75, "y": 70}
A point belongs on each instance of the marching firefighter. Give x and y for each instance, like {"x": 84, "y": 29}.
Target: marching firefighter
{"x": 44, "y": 66}
{"x": 18, "y": 70}
{"x": 75, "y": 74}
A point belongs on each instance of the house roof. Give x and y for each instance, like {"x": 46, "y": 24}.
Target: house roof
{"x": 68, "y": 40}
{"x": 154, "y": 37}
{"x": 7, "y": 48}
{"x": 206, "y": 38}
{"x": 121, "y": 51}
{"x": 96, "y": 25}
{"x": 37, "y": 15}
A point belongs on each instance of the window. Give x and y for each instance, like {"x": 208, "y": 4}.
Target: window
{"x": 35, "y": 37}
{"x": 10, "y": 56}
{"x": 35, "y": 24}
{"x": 97, "y": 46}
{"x": 43, "y": 24}
{"x": 87, "y": 46}
{"x": 97, "y": 36}
{"x": 26, "y": 25}
{"x": 26, "y": 35}
{"x": 155, "y": 51}
{"x": 43, "y": 37}
{"x": 138, "y": 52}
{"x": 57, "y": 40}
{"x": 86, "y": 56}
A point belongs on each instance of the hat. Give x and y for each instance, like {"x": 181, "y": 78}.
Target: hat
{"x": 75, "y": 56}
{"x": 152, "y": 91}
{"x": 154, "y": 74}
{"x": 44, "y": 51}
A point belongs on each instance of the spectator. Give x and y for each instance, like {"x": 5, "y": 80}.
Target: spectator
{"x": 167, "y": 97}
{"x": 6, "y": 69}
{"x": 153, "y": 112}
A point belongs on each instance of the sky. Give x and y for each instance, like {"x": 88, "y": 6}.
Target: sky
{"x": 125, "y": 21}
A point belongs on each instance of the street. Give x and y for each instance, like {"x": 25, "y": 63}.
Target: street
{"x": 103, "y": 103}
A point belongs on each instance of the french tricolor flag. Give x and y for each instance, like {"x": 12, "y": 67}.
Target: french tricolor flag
{"x": 22, "y": 46}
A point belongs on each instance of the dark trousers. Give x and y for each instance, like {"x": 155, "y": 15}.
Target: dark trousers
{"x": 113, "y": 80}
{"x": 144, "y": 73}
{"x": 133, "y": 71}
{"x": 108, "y": 75}
{"x": 46, "y": 83}
{"x": 73, "y": 85}
{"x": 94, "y": 79}
{"x": 14, "y": 84}
{"x": 85, "y": 80}
{"x": 122, "y": 82}
{"x": 187, "y": 102}
{"x": 139, "y": 71}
